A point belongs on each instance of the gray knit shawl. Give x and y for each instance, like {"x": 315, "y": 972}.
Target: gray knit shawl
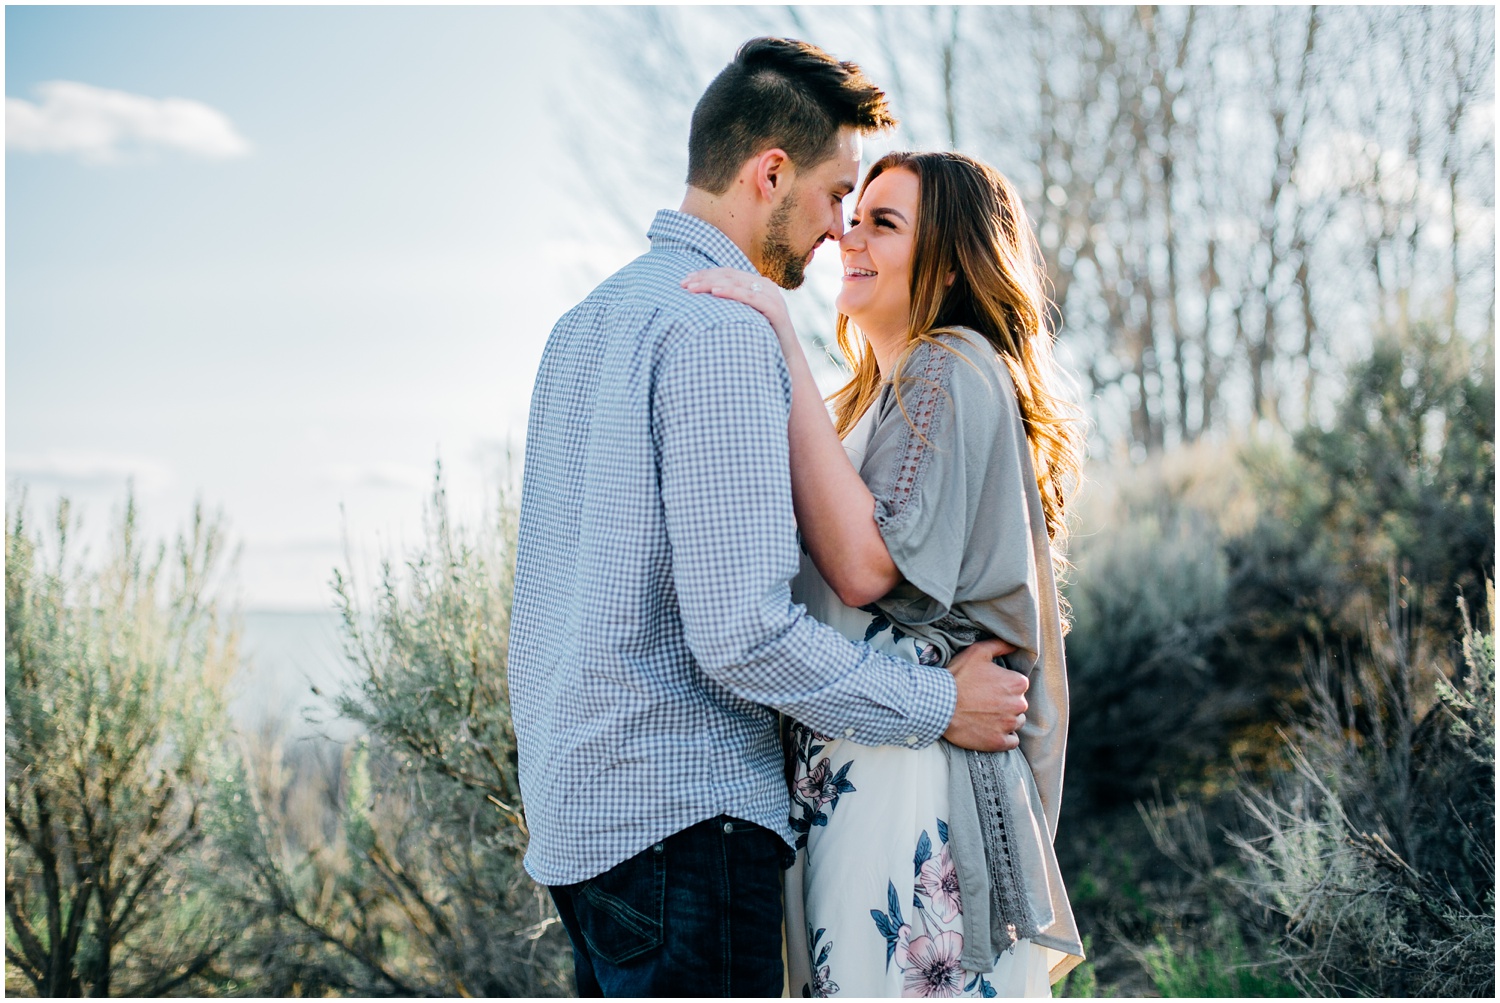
{"x": 957, "y": 504}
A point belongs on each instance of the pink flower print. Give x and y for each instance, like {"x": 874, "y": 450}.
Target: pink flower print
{"x": 823, "y": 984}
{"x": 934, "y": 969}
{"x": 819, "y": 788}
{"x": 939, "y": 879}
{"x": 815, "y": 786}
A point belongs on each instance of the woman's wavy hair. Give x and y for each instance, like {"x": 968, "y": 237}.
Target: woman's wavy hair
{"x": 971, "y": 225}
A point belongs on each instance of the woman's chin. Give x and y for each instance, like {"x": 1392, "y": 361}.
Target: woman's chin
{"x": 848, "y": 306}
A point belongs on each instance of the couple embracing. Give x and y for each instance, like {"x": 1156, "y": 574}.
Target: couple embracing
{"x": 741, "y": 628}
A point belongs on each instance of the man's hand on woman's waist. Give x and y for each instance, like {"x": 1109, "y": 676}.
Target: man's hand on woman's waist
{"x": 991, "y": 704}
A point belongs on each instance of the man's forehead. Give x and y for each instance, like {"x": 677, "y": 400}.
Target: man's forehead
{"x": 851, "y": 146}
{"x": 854, "y": 142}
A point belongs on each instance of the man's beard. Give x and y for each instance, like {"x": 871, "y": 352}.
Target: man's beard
{"x": 779, "y": 261}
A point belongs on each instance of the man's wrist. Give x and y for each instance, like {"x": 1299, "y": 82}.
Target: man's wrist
{"x": 935, "y": 704}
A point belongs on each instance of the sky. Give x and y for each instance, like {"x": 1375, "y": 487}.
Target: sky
{"x": 283, "y": 260}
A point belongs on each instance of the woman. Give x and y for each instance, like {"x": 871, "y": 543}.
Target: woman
{"x": 927, "y": 511}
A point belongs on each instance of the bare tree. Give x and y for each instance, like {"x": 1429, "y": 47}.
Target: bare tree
{"x": 1232, "y": 201}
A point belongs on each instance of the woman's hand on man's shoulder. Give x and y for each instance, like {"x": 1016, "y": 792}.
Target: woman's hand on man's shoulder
{"x": 755, "y": 291}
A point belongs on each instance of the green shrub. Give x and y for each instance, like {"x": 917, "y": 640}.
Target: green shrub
{"x": 1149, "y": 597}
{"x": 1082, "y": 982}
{"x": 1203, "y": 577}
{"x": 1220, "y": 966}
{"x": 114, "y": 725}
{"x": 1376, "y": 847}
{"x": 414, "y": 884}
{"x": 1404, "y": 478}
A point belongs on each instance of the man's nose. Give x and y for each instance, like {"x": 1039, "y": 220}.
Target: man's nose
{"x": 836, "y": 231}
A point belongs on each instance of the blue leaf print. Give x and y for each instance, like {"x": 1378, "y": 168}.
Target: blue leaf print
{"x": 942, "y": 830}
{"x": 881, "y": 622}
{"x": 985, "y": 989}
{"x": 889, "y": 924}
{"x": 822, "y": 981}
{"x": 924, "y": 852}
{"x": 883, "y": 924}
{"x": 822, "y": 952}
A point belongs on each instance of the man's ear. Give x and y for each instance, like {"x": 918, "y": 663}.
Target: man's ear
{"x": 772, "y": 172}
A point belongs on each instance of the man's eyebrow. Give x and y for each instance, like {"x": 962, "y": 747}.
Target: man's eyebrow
{"x": 887, "y": 211}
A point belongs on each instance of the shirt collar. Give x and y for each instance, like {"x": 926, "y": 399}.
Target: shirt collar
{"x": 671, "y": 228}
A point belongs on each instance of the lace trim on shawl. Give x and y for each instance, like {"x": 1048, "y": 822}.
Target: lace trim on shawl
{"x": 1010, "y": 910}
{"x": 922, "y": 411}
{"x": 962, "y": 631}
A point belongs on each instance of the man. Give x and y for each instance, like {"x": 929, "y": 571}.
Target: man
{"x": 653, "y": 637}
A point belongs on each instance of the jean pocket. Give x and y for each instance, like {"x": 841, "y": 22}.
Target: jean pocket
{"x": 620, "y": 911}
{"x": 754, "y": 844}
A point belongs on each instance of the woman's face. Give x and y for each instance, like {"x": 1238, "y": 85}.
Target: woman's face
{"x": 877, "y": 253}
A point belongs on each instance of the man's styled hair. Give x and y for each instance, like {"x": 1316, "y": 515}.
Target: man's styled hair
{"x": 778, "y": 93}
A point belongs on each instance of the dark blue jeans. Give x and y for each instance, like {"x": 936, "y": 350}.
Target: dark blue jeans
{"x": 698, "y": 914}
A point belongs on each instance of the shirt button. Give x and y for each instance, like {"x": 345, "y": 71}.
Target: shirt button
{"x": 728, "y": 826}
{"x": 911, "y": 740}
{"x": 848, "y": 732}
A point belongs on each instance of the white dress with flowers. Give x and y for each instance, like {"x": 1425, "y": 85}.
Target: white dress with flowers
{"x": 873, "y": 906}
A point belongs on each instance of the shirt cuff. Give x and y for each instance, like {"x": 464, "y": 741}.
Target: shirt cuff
{"x": 935, "y": 698}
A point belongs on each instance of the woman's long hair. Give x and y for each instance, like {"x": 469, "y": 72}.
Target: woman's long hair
{"x": 971, "y": 225}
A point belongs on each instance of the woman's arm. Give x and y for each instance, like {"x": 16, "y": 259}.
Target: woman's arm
{"x": 835, "y": 510}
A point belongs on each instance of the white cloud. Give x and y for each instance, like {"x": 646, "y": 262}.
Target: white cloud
{"x": 302, "y": 545}
{"x": 381, "y": 475}
{"x": 85, "y": 471}
{"x": 100, "y": 125}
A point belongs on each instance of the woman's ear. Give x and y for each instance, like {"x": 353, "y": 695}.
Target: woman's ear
{"x": 950, "y": 279}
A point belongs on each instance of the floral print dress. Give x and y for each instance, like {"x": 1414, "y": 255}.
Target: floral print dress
{"x": 873, "y": 902}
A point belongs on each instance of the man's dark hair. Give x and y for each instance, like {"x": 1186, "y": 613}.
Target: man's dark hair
{"x": 778, "y": 93}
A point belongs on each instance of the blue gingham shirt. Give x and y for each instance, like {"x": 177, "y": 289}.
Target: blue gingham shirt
{"x": 653, "y": 635}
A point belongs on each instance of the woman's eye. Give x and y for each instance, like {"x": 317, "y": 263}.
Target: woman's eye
{"x": 885, "y": 222}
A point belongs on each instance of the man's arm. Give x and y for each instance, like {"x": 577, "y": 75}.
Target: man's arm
{"x": 719, "y": 419}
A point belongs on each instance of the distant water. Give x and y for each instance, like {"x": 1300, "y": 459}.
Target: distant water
{"x": 285, "y": 657}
